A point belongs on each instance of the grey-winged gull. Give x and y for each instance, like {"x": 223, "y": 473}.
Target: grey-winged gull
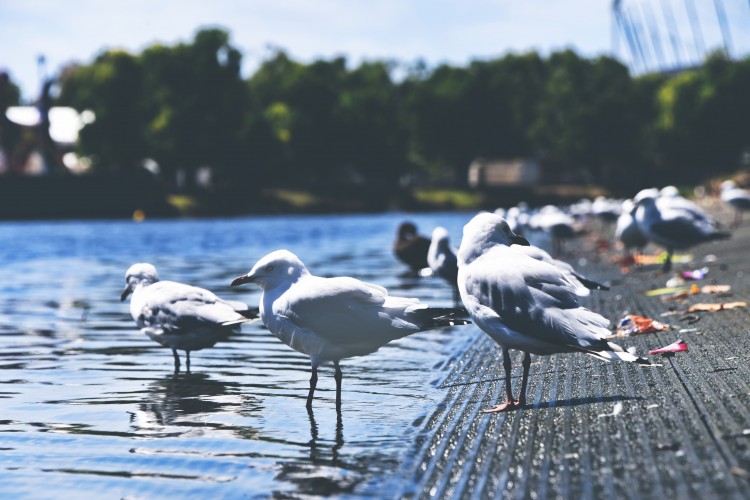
{"x": 442, "y": 259}
{"x": 180, "y": 316}
{"x": 674, "y": 222}
{"x": 524, "y": 303}
{"x": 627, "y": 230}
{"x": 736, "y": 197}
{"x": 330, "y": 319}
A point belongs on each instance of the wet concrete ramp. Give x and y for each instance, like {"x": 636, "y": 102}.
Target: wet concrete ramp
{"x": 602, "y": 430}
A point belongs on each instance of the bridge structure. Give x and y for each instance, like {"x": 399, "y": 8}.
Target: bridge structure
{"x": 670, "y": 35}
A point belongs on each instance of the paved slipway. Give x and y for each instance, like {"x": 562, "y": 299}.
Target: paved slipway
{"x": 602, "y": 430}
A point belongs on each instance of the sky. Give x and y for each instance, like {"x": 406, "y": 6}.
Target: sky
{"x": 436, "y": 31}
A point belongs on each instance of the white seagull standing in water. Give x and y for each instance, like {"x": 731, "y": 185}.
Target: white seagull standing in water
{"x": 180, "y": 316}
{"x": 329, "y": 319}
{"x": 524, "y": 303}
{"x": 442, "y": 259}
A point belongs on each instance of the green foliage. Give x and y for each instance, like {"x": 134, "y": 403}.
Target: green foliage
{"x": 324, "y": 125}
{"x": 112, "y": 88}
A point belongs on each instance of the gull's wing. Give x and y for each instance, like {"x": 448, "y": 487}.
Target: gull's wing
{"x": 346, "y": 311}
{"x": 174, "y": 306}
{"x": 568, "y": 271}
{"x": 533, "y": 299}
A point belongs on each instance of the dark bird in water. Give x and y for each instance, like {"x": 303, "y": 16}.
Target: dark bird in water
{"x": 410, "y": 247}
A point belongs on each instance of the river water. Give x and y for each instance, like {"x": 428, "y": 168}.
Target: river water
{"x": 91, "y": 408}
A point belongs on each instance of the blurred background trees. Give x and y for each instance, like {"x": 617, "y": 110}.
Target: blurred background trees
{"x": 328, "y": 124}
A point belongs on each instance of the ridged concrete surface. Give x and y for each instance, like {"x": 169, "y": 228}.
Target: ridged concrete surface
{"x": 683, "y": 430}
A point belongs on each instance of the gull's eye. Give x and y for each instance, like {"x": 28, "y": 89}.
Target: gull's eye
{"x": 269, "y": 267}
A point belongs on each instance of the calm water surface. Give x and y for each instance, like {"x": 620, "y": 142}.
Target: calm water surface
{"x": 91, "y": 408}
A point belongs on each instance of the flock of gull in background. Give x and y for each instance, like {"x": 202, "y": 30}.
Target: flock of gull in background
{"x": 519, "y": 294}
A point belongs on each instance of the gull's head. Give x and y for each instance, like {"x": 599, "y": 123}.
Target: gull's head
{"x": 440, "y": 237}
{"x": 646, "y": 196}
{"x": 275, "y": 269}
{"x": 138, "y": 274}
{"x": 669, "y": 192}
{"x": 485, "y": 231}
{"x": 407, "y": 230}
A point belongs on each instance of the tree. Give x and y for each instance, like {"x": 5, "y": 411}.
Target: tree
{"x": 112, "y": 87}
{"x": 196, "y": 99}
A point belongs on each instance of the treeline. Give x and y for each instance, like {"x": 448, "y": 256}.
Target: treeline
{"x": 328, "y": 124}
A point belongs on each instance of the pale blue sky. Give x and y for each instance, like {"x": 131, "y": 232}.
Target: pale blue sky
{"x": 436, "y": 30}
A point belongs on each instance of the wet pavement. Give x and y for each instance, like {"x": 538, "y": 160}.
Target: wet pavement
{"x": 603, "y": 430}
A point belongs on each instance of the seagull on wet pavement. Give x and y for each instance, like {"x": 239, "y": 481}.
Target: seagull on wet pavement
{"x": 736, "y": 197}
{"x": 627, "y": 230}
{"x": 330, "y": 319}
{"x": 674, "y": 222}
{"x": 524, "y": 303}
{"x": 180, "y": 316}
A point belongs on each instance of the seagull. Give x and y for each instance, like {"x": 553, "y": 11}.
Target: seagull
{"x": 674, "y": 222}
{"x": 410, "y": 247}
{"x": 606, "y": 209}
{"x": 558, "y": 224}
{"x": 737, "y": 197}
{"x": 442, "y": 256}
{"x": 627, "y": 229}
{"x": 330, "y": 319}
{"x": 180, "y": 316}
{"x": 525, "y": 304}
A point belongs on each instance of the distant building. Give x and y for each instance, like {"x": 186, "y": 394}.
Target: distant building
{"x": 488, "y": 174}
{"x": 45, "y": 143}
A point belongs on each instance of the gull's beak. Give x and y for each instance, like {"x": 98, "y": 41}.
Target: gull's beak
{"x": 519, "y": 240}
{"x": 241, "y": 280}
{"x": 127, "y": 291}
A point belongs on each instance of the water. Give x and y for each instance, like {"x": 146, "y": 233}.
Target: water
{"x": 91, "y": 408}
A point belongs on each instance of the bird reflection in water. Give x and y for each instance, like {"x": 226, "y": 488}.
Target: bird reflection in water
{"x": 325, "y": 473}
{"x": 339, "y": 442}
{"x": 177, "y": 405}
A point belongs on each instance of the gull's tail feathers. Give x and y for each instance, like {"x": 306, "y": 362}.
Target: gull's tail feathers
{"x": 436, "y": 317}
{"x": 250, "y": 313}
{"x": 720, "y": 235}
{"x": 613, "y": 352}
{"x": 591, "y": 285}
{"x": 235, "y": 322}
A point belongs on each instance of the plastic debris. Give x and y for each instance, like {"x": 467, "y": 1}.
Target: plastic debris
{"x": 671, "y": 349}
{"x": 740, "y": 472}
{"x": 705, "y": 306}
{"x": 665, "y": 291}
{"x": 615, "y": 411}
{"x": 697, "y": 274}
{"x": 690, "y": 318}
{"x": 675, "y": 282}
{"x": 633, "y": 324}
{"x": 682, "y": 293}
{"x": 720, "y": 289}
{"x": 662, "y": 258}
